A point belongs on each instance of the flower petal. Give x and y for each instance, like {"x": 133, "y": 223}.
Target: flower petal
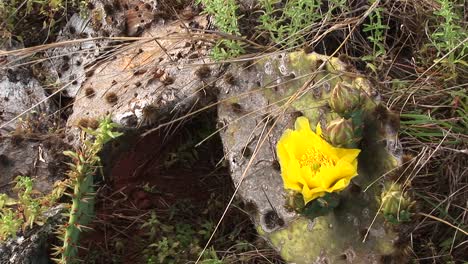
{"x": 292, "y": 178}
{"x": 281, "y": 148}
{"x": 318, "y": 129}
{"x": 331, "y": 175}
{"x": 347, "y": 154}
{"x": 339, "y": 186}
{"x": 337, "y": 166}
{"x": 308, "y": 176}
{"x": 312, "y": 194}
{"x": 302, "y": 124}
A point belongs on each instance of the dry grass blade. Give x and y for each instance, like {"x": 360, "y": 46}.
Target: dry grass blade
{"x": 424, "y": 74}
{"x": 445, "y": 222}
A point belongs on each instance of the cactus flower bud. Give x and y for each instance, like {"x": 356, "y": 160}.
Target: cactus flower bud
{"x": 344, "y": 99}
{"x": 395, "y": 204}
{"x": 340, "y": 133}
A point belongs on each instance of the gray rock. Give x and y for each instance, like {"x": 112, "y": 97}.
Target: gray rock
{"x": 34, "y": 155}
{"x": 26, "y": 145}
{"x": 28, "y": 148}
{"x": 19, "y": 92}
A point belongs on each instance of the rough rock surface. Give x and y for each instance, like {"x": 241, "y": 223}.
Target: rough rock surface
{"x": 148, "y": 80}
{"x": 19, "y": 92}
{"x": 26, "y": 146}
{"x": 69, "y": 64}
{"x": 39, "y": 157}
{"x": 88, "y": 38}
{"x": 253, "y": 113}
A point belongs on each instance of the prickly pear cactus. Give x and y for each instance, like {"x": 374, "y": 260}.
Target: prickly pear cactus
{"x": 259, "y": 101}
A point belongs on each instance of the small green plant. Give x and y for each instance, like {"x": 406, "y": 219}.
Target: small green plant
{"x": 448, "y": 35}
{"x": 185, "y": 155}
{"x": 210, "y": 257}
{"x": 166, "y": 240}
{"x": 31, "y": 208}
{"x": 24, "y": 212}
{"x": 177, "y": 237}
{"x": 10, "y": 223}
{"x": 166, "y": 251}
{"x": 225, "y": 18}
{"x": 5, "y": 200}
{"x": 85, "y": 163}
{"x": 289, "y": 25}
{"x": 22, "y": 19}
{"x": 376, "y": 30}
{"x": 153, "y": 225}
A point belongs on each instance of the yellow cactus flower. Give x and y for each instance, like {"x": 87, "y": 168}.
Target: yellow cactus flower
{"x": 310, "y": 165}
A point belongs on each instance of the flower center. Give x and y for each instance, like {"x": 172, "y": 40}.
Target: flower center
{"x": 315, "y": 159}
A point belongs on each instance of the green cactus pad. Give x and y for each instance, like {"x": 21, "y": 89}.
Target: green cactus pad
{"x": 353, "y": 231}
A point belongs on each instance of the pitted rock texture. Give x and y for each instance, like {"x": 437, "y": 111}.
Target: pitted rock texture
{"x": 149, "y": 80}
{"x": 18, "y": 93}
{"x": 95, "y": 35}
{"x": 258, "y": 101}
{"x": 70, "y": 63}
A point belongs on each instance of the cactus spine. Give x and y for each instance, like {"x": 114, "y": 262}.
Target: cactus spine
{"x": 85, "y": 163}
